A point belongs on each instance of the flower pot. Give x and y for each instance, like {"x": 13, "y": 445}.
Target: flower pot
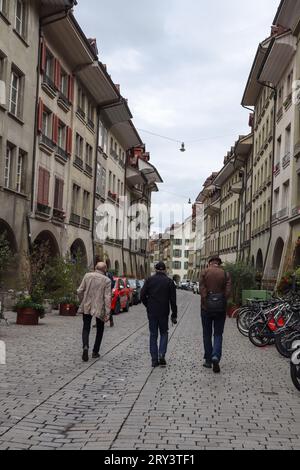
{"x": 27, "y": 316}
{"x": 68, "y": 310}
{"x": 231, "y": 311}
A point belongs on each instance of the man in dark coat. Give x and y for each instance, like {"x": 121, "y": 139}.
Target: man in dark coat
{"x": 214, "y": 280}
{"x": 158, "y": 295}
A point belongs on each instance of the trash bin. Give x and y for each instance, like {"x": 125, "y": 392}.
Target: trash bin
{"x": 255, "y": 295}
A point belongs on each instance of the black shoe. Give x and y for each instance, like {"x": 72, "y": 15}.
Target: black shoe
{"x": 96, "y": 356}
{"x": 155, "y": 364}
{"x": 162, "y": 362}
{"x": 216, "y": 366}
{"x": 207, "y": 365}
{"x": 85, "y": 355}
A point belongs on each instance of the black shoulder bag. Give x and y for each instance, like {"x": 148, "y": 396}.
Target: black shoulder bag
{"x": 216, "y": 303}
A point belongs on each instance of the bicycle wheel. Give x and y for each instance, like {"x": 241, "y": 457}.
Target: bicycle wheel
{"x": 295, "y": 375}
{"x": 283, "y": 345}
{"x": 257, "y": 335}
{"x": 243, "y": 321}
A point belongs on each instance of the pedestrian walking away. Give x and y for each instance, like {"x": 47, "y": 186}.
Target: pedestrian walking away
{"x": 95, "y": 297}
{"x": 158, "y": 295}
{"x": 215, "y": 290}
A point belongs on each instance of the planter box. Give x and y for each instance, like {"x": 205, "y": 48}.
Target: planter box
{"x": 68, "y": 310}
{"x": 28, "y": 317}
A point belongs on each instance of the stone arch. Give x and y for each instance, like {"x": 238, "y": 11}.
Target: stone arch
{"x": 277, "y": 255}
{"x": 47, "y": 239}
{"x": 78, "y": 249}
{"x": 259, "y": 261}
{"x": 9, "y": 235}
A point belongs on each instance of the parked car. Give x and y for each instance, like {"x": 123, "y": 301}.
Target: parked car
{"x": 121, "y": 297}
{"x": 129, "y": 290}
{"x": 136, "y": 287}
{"x": 185, "y": 285}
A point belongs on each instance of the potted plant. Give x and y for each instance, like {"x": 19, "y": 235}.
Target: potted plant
{"x": 242, "y": 277}
{"x": 64, "y": 276}
{"x": 29, "y": 311}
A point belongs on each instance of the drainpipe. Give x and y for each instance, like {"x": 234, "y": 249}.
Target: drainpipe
{"x": 95, "y": 185}
{"x": 273, "y": 161}
{"x": 66, "y": 12}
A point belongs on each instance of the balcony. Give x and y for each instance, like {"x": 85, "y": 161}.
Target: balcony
{"x": 75, "y": 219}
{"x": 297, "y": 150}
{"x": 81, "y": 113}
{"x": 78, "y": 162}
{"x": 114, "y": 154}
{"x": 59, "y": 215}
{"x": 46, "y": 144}
{"x": 296, "y": 211}
{"x": 286, "y": 160}
{"x": 279, "y": 114}
{"x": 274, "y": 218}
{"x": 85, "y": 223}
{"x": 89, "y": 169}
{"x": 48, "y": 86}
{"x": 287, "y": 103}
{"x": 283, "y": 213}
{"x": 91, "y": 124}
{"x": 63, "y": 102}
{"x": 270, "y": 136}
{"x": 62, "y": 154}
{"x": 43, "y": 210}
{"x": 277, "y": 169}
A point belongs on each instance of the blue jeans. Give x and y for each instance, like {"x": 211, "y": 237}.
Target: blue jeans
{"x": 213, "y": 326}
{"x": 161, "y": 324}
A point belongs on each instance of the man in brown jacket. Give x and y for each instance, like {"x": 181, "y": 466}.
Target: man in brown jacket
{"x": 95, "y": 297}
{"x": 214, "y": 280}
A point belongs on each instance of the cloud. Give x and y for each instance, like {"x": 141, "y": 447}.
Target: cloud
{"x": 183, "y": 67}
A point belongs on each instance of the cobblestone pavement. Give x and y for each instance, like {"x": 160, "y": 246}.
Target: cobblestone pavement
{"x": 49, "y": 399}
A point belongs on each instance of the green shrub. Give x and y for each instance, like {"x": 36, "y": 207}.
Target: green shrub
{"x": 242, "y": 277}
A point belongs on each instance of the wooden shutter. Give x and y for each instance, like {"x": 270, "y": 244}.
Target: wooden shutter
{"x": 71, "y": 89}
{"x": 40, "y": 195}
{"x": 58, "y": 194}
{"x": 69, "y": 141}
{"x": 40, "y": 116}
{"x": 43, "y": 56}
{"x": 55, "y": 129}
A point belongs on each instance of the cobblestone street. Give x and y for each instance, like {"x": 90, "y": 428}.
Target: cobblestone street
{"x": 51, "y": 400}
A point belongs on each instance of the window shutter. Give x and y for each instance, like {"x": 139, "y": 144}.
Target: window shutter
{"x": 46, "y": 188}
{"x": 56, "y": 194}
{"x": 61, "y": 195}
{"x": 43, "y": 56}
{"x": 71, "y": 89}
{"x": 55, "y": 129}
{"x": 69, "y": 141}
{"x": 40, "y": 116}
{"x": 40, "y": 195}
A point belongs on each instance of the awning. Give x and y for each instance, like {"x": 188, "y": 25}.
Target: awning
{"x": 288, "y": 14}
{"x": 150, "y": 172}
{"x": 127, "y": 135}
{"x": 225, "y": 173}
{"x": 117, "y": 113}
{"x": 134, "y": 176}
{"x": 67, "y": 37}
{"x": 237, "y": 188}
{"x": 242, "y": 149}
{"x": 280, "y": 54}
{"x": 253, "y": 88}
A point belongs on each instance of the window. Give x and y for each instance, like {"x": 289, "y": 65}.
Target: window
{"x": 64, "y": 83}
{"x": 286, "y": 195}
{"x": 89, "y": 155}
{"x": 2, "y": 79}
{"x": 47, "y": 123}
{"x": 16, "y": 93}
{"x": 101, "y": 180}
{"x": 61, "y": 141}
{"x": 20, "y": 177}
{"x": 178, "y": 242}
{"x": 49, "y": 68}
{"x": 109, "y": 180}
{"x": 86, "y": 204}
{"x": 186, "y": 266}
{"x": 79, "y": 147}
{"x": 58, "y": 194}
{"x": 91, "y": 115}
{"x": 114, "y": 184}
{"x": 186, "y": 254}
{"x": 43, "y": 187}
{"x": 20, "y": 18}
{"x": 177, "y": 253}
{"x": 288, "y": 140}
{"x": 177, "y": 265}
{"x": 81, "y": 102}
{"x": 8, "y": 169}
{"x": 278, "y": 153}
{"x": 103, "y": 137}
{"x": 75, "y": 208}
{"x": 4, "y": 7}
{"x": 290, "y": 83}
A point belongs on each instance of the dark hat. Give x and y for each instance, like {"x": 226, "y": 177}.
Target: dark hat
{"x": 160, "y": 266}
{"x": 215, "y": 258}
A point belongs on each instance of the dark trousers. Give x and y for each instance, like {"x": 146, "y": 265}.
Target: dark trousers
{"x": 158, "y": 324}
{"x": 87, "y": 320}
{"x": 213, "y": 326}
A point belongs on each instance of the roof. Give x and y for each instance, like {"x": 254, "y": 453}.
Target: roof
{"x": 288, "y": 14}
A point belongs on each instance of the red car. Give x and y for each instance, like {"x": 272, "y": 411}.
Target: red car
{"x": 129, "y": 289}
{"x": 120, "y": 296}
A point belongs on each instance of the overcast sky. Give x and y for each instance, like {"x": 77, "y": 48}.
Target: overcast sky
{"x": 183, "y": 65}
